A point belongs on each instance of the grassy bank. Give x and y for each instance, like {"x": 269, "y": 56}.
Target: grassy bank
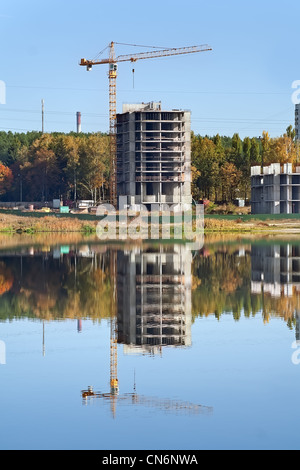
{"x": 37, "y": 222}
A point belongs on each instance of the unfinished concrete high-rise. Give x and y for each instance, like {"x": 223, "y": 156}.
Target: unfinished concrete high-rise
{"x": 154, "y": 156}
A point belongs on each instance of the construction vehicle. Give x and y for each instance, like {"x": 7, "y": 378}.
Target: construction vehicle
{"x": 112, "y": 62}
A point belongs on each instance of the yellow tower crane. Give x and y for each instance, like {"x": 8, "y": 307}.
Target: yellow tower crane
{"x": 112, "y": 61}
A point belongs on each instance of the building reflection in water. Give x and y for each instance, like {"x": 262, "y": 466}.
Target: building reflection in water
{"x": 154, "y": 298}
{"x": 276, "y": 273}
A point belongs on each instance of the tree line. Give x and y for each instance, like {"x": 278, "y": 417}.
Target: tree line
{"x": 56, "y": 289}
{"x": 81, "y": 287}
{"x": 221, "y": 166}
{"x": 42, "y": 167}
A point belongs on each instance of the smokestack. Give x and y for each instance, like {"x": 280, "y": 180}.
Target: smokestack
{"x": 78, "y": 123}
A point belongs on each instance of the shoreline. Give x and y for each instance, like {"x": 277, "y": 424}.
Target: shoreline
{"x": 38, "y": 223}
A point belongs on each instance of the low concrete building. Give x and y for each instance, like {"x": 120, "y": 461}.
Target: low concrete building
{"x": 275, "y": 189}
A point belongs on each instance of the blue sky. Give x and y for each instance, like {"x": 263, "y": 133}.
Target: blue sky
{"x": 244, "y": 85}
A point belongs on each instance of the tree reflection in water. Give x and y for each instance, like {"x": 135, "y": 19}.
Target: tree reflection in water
{"x": 76, "y": 281}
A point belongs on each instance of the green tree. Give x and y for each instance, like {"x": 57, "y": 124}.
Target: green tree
{"x": 237, "y": 151}
{"x": 255, "y": 155}
{"x": 291, "y": 132}
{"x": 245, "y": 168}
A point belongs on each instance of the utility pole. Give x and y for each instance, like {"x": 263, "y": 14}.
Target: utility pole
{"x": 43, "y": 116}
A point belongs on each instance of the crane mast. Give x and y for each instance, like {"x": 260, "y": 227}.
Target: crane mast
{"x": 112, "y": 74}
{"x": 112, "y": 61}
{"x": 114, "y": 382}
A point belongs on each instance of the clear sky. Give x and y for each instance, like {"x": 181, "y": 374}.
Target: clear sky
{"x": 244, "y": 85}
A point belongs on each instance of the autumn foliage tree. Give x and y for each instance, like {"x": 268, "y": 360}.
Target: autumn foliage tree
{"x": 280, "y": 150}
{"x": 6, "y": 179}
{"x": 231, "y": 177}
{"x": 52, "y": 166}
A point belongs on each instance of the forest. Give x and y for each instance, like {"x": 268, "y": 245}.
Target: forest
{"x": 42, "y": 167}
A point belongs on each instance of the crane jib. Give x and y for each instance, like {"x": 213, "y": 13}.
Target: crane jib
{"x": 148, "y": 55}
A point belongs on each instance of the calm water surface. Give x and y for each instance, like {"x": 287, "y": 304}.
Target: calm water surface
{"x": 203, "y": 345}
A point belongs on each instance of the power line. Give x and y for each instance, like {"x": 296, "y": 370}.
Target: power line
{"x": 194, "y": 119}
{"x": 69, "y": 113}
{"x": 202, "y": 92}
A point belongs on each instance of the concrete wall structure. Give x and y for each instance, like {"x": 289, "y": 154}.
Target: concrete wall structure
{"x": 275, "y": 190}
{"x": 154, "y": 155}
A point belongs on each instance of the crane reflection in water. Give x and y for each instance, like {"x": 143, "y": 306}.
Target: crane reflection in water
{"x": 152, "y": 299}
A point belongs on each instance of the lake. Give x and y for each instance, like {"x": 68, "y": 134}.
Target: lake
{"x": 149, "y": 346}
